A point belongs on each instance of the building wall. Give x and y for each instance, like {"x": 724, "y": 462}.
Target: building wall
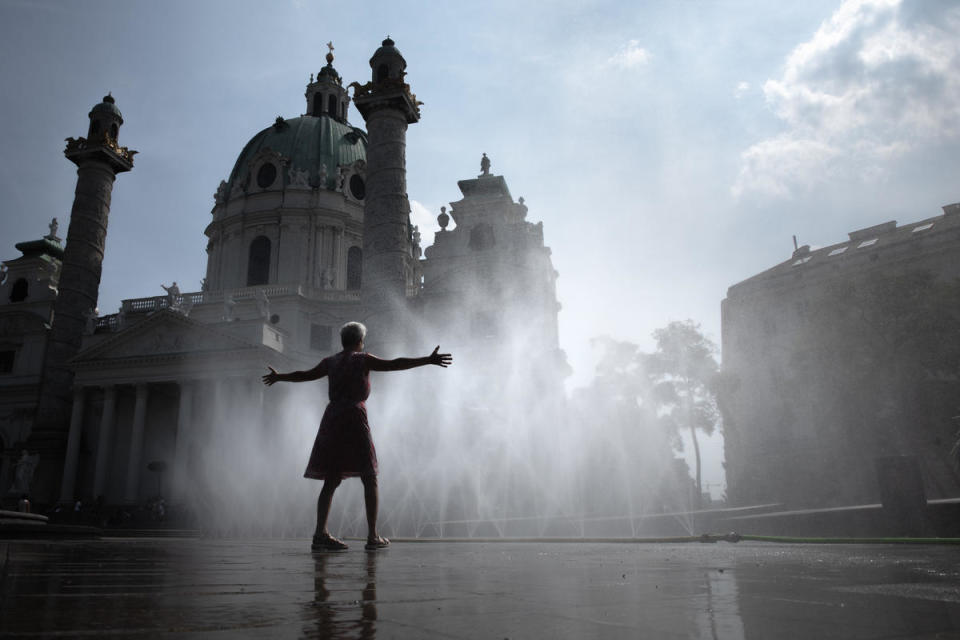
{"x": 811, "y": 398}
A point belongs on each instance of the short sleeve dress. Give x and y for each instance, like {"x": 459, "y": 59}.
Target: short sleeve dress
{"x": 343, "y": 447}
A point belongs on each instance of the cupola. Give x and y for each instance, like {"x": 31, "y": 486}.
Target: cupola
{"x": 387, "y": 63}
{"x": 326, "y": 95}
{"x": 105, "y": 121}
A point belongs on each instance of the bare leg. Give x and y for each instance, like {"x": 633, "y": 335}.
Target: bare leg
{"x": 371, "y": 498}
{"x": 323, "y": 506}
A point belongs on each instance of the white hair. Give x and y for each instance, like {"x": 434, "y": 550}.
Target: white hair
{"x": 352, "y": 334}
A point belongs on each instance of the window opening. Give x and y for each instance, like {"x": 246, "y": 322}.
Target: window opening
{"x": 258, "y": 266}
{"x": 19, "y": 291}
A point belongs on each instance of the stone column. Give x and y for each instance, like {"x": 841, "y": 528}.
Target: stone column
{"x": 385, "y": 212}
{"x": 387, "y": 106}
{"x": 136, "y": 444}
{"x": 183, "y": 442}
{"x": 73, "y": 446}
{"x": 98, "y": 158}
{"x": 104, "y": 439}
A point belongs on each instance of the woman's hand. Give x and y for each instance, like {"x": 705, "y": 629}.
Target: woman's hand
{"x": 440, "y": 359}
{"x": 271, "y": 377}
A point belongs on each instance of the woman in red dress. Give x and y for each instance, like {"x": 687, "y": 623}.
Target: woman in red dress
{"x": 343, "y": 447}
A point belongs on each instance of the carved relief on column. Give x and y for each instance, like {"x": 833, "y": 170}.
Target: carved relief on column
{"x": 105, "y": 440}
{"x": 136, "y": 443}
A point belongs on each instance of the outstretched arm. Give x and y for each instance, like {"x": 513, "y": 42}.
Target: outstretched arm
{"x": 399, "y": 364}
{"x": 295, "y": 376}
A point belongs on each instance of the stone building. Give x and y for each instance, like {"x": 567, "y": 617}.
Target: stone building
{"x": 839, "y": 358}
{"x": 310, "y": 229}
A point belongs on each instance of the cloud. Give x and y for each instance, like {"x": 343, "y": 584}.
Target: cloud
{"x": 879, "y": 79}
{"x": 426, "y": 221}
{"x": 630, "y": 56}
{"x": 741, "y": 89}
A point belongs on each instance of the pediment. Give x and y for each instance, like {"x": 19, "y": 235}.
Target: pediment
{"x": 163, "y": 333}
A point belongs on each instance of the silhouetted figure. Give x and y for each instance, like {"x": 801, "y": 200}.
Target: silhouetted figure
{"x": 343, "y": 447}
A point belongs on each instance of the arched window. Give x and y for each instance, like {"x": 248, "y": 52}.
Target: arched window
{"x": 19, "y": 291}
{"x": 354, "y": 267}
{"x": 258, "y": 267}
{"x": 317, "y": 104}
{"x": 332, "y": 105}
{"x": 383, "y": 71}
{"x": 114, "y": 132}
{"x": 267, "y": 175}
{"x": 94, "y": 128}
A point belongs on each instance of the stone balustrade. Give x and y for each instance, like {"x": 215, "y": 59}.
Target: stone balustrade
{"x": 156, "y": 303}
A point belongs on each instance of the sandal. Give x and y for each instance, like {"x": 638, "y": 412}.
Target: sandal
{"x": 327, "y": 543}
{"x": 377, "y": 543}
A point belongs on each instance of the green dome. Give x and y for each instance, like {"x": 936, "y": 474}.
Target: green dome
{"x": 307, "y": 143}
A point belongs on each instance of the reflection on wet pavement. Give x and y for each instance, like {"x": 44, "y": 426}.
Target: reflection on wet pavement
{"x": 334, "y": 612}
{"x": 278, "y": 589}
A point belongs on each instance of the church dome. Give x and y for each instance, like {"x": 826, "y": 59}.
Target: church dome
{"x": 314, "y": 144}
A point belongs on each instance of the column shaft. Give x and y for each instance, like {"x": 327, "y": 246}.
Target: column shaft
{"x": 183, "y": 441}
{"x": 136, "y": 444}
{"x": 73, "y": 447}
{"x": 104, "y": 439}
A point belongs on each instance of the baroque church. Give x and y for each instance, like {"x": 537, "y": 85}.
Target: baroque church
{"x": 309, "y": 230}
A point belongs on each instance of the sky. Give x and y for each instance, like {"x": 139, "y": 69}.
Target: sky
{"x": 671, "y": 149}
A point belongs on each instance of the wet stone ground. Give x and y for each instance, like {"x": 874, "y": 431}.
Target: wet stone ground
{"x": 163, "y": 588}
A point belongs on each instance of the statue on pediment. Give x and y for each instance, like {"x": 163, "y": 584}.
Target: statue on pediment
{"x": 90, "y": 321}
{"x": 299, "y": 178}
{"x": 263, "y": 303}
{"x": 228, "y": 305}
{"x": 173, "y": 294}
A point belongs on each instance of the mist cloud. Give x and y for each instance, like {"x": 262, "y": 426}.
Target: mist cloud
{"x": 877, "y": 80}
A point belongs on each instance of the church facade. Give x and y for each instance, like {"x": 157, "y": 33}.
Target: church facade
{"x": 309, "y": 230}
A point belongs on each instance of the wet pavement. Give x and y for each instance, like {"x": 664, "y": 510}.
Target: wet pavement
{"x": 277, "y": 589}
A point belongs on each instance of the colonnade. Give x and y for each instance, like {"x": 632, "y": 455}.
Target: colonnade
{"x": 192, "y": 392}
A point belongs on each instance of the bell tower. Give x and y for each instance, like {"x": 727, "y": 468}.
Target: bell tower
{"x": 326, "y": 95}
{"x": 99, "y": 158}
{"x": 388, "y": 107}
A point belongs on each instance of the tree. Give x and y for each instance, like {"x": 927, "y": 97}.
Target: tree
{"x": 683, "y": 370}
{"x": 625, "y": 460}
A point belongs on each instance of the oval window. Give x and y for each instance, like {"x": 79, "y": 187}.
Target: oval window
{"x": 357, "y": 188}
{"x": 266, "y": 175}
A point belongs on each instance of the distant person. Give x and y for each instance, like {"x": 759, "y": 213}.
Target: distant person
{"x": 23, "y": 505}
{"x": 343, "y": 447}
